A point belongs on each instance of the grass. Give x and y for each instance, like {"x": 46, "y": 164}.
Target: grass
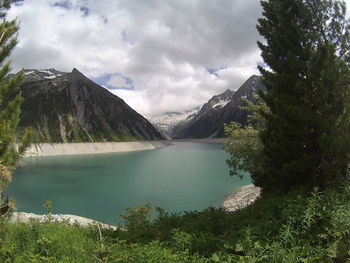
{"x": 298, "y": 227}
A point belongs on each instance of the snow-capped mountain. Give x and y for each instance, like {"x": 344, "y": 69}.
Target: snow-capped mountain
{"x": 166, "y": 121}
{"x": 169, "y": 122}
{"x": 223, "y": 108}
{"x": 218, "y": 101}
{"x": 69, "y": 107}
{"x": 209, "y": 119}
{"x": 41, "y": 74}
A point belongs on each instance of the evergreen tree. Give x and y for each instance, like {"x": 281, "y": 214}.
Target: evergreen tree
{"x": 306, "y": 141}
{"x": 11, "y": 147}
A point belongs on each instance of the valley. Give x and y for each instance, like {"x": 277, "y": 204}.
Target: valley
{"x": 66, "y": 107}
{"x": 207, "y": 121}
{"x": 174, "y": 131}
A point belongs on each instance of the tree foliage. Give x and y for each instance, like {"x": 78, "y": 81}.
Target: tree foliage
{"x": 244, "y": 144}
{"x": 306, "y": 141}
{"x": 11, "y": 147}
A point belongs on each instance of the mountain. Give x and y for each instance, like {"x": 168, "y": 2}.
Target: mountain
{"x": 69, "y": 107}
{"x": 217, "y": 102}
{"x": 223, "y": 108}
{"x": 31, "y": 75}
{"x": 167, "y": 121}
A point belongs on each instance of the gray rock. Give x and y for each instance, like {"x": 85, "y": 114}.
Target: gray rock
{"x": 69, "y": 107}
{"x": 223, "y": 108}
{"x": 245, "y": 196}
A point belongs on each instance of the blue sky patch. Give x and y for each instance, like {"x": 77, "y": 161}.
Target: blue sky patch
{"x": 104, "y": 79}
{"x": 18, "y": 2}
{"x": 214, "y": 71}
{"x": 63, "y": 4}
{"x": 262, "y": 64}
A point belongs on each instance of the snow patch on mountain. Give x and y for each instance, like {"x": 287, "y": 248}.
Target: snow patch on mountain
{"x": 221, "y": 103}
{"x": 165, "y": 122}
{"x": 29, "y": 72}
{"x": 41, "y": 74}
{"x": 217, "y": 101}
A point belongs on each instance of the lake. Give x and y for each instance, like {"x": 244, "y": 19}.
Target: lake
{"x": 184, "y": 176}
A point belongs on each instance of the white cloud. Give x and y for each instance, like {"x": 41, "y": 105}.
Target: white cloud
{"x": 162, "y": 50}
{"x": 120, "y": 81}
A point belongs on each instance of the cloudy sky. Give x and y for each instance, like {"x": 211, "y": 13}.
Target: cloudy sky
{"x": 157, "y": 55}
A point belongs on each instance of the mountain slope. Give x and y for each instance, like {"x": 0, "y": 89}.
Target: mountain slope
{"x": 69, "y": 107}
{"x": 167, "y": 121}
{"x": 221, "y": 109}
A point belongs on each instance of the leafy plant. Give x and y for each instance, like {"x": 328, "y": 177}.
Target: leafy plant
{"x": 244, "y": 144}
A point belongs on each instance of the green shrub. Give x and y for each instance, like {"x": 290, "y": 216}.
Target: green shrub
{"x": 297, "y": 227}
{"x": 151, "y": 253}
{"x": 47, "y": 242}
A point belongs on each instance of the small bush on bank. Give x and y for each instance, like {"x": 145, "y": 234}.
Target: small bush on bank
{"x": 47, "y": 242}
{"x": 297, "y": 227}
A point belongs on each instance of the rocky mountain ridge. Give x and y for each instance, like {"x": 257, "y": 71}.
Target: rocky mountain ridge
{"x": 41, "y": 74}
{"x": 223, "y": 108}
{"x": 217, "y": 101}
{"x": 69, "y": 107}
{"x": 208, "y": 120}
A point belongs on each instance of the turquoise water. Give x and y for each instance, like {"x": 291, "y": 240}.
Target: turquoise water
{"x": 182, "y": 177}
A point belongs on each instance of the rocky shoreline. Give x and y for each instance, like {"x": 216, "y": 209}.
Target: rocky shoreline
{"x": 70, "y": 219}
{"x": 245, "y": 196}
{"x": 52, "y": 149}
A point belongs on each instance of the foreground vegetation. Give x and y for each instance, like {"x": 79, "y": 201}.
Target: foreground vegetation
{"x": 296, "y": 147}
{"x": 297, "y": 227}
